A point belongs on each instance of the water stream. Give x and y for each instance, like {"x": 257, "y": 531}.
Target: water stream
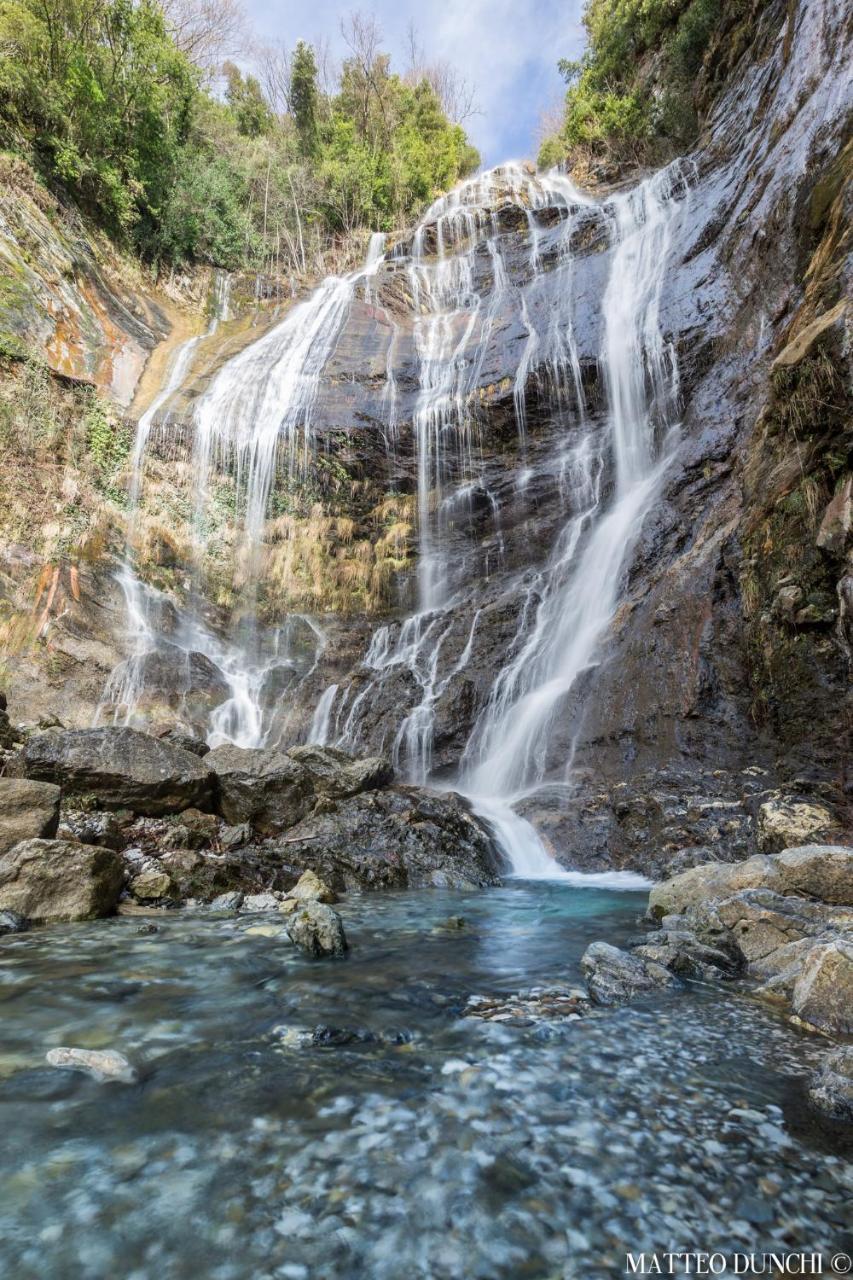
{"x": 348, "y": 1121}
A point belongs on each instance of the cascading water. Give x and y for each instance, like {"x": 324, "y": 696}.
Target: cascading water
{"x": 608, "y": 479}
{"x": 506, "y": 757}
{"x": 254, "y": 418}
{"x": 255, "y": 423}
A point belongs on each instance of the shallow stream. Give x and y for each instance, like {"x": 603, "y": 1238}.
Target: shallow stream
{"x": 436, "y": 1145}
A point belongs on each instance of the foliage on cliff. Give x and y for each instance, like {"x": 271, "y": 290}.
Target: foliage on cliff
{"x": 631, "y": 97}
{"x": 107, "y": 101}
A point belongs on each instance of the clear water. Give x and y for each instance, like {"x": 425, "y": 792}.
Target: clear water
{"x": 445, "y": 1148}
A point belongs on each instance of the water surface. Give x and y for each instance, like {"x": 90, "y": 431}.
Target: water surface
{"x": 437, "y": 1146}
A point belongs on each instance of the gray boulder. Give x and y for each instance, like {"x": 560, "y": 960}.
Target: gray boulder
{"x": 761, "y": 922}
{"x": 710, "y": 881}
{"x": 614, "y": 976}
{"x": 401, "y": 837}
{"x": 337, "y": 774}
{"x": 822, "y": 871}
{"x": 823, "y": 993}
{"x": 317, "y": 930}
{"x": 122, "y": 768}
{"x": 28, "y": 810}
{"x": 831, "y": 1088}
{"x": 47, "y": 881}
{"x": 264, "y": 787}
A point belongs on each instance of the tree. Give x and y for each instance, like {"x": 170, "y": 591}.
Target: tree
{"x": 303, "y": 96}
{"x": 206, "y": 31}
{"x": 246, "y": 99}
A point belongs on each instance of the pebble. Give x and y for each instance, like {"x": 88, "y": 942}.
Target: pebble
{"x": 101, "y": 1064}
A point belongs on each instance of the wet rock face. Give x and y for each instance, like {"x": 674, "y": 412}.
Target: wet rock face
{"x": 123, "y": 768}
{"x": 83, "y": 320}
{"x": 400, "y": 837}
{"x": 48, "y": 881}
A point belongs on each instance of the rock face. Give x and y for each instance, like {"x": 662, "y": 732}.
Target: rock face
{"x": 317, "y": 930}
{"x": 402, "y": 837}
{"x": 48, "y": 881}
{"x": 122, "y": 768}
{"x": 28, "y": 810}
{"x": 265, "y": 788}
{"x": 615, "y": 976}
{"x": 273, "y": 789}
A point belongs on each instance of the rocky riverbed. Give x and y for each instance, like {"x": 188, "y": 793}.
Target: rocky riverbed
{"x": 285, "y": 1115}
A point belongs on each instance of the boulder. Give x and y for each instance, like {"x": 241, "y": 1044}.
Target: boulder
{"x": 822, "y": 871}
{"x": 785, "y": 823}
{"x": 689, "y": 956}
{"x": 260, "y": 902}
{"x": 337, "y": 774}
{"x": 122, "y": 768}
{"x": 310, "y": 888}
{"x": 831, "y": 1088}
{"x": 231, "y": 901}
{"x": 711, "y": 881}
{"x": 401, "y": 837}
{"x": 152, "y": 886}
{"x": 47, "y": 881}
{"x": 28, "y": 810}
{"x": 614, "y": 976}
{"x": 193, "y": 830}
{"x": 823, "y": 993}
{"x": 317, "y": 930}
{"x": 183, "y": 736}
{"x": 760, "y": 921}
{"x": 264, "y": 787}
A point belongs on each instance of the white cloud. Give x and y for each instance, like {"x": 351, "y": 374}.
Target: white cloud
{"x": 508, "y": 49}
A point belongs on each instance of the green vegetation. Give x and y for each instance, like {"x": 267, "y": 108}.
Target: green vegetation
{"x": 631, "y": 97}
{"x": 110, "y": 100}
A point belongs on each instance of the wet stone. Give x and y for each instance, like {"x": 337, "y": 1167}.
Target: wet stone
{"x": 528, "y": 1007}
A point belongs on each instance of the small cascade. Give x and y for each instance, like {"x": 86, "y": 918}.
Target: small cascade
{"x": 253, "y": 421}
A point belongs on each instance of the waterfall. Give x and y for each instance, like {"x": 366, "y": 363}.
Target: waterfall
{"x": 254, "y": 421}
{"x": 506, "y": 757}
{"x": 254, "y": 416}
{"x": 608, "y": 479}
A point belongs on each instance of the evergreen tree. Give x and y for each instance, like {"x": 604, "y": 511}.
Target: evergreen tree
{"x": 303, "y": 96}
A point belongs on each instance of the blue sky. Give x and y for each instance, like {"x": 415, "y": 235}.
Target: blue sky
{"x": 507, "y": 48}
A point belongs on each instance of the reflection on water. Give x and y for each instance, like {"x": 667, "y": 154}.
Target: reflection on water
{"x": 430, "y": 1146}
